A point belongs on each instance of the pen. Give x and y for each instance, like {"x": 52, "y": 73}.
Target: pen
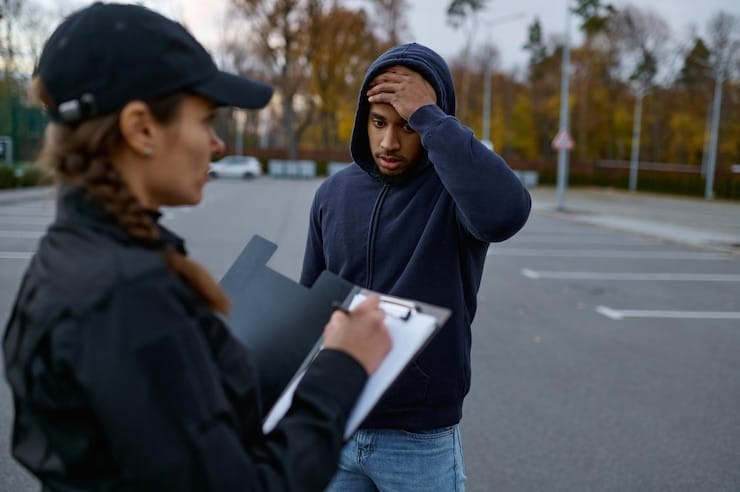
{"x": 337, "y": 306}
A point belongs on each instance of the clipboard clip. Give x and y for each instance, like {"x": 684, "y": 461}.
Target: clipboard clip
{"x": 398, "y": 308}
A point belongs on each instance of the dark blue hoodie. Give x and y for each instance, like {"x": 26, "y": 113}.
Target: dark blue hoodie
{"x": 424, "y": 239}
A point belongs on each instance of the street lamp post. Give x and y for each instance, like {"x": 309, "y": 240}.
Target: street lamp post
{"x": 562, "y": 178}
{"x": 487, "y": 73}
{"x": 487, "y": 104}
{"x": 712, "y": 155}
{"x": 636, "y": 124}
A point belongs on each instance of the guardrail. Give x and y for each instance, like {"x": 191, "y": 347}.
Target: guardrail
{"x": 291, "y": 169}
{"x": 529, "y": 179}
{"x": 283, "y": 168}
{"x": 335, "y": 167}
{"x": 649, "y": 166}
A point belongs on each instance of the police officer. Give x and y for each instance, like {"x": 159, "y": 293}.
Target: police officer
{"x": 123, "y": 375}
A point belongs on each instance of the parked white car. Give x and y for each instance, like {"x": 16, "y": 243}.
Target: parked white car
{"x": 236, "y": 166}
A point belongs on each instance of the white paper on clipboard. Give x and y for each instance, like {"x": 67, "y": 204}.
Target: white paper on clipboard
{"x": 409, "y": 336}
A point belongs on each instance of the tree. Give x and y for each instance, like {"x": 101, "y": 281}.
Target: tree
{"x": 459, "y": 13}
{"x": 724, "y": 46}
{"x": 594, "y": 15}
{"x": 12, "y": 15}
{"x": 391, "y": 18}
{"x": 694, "y": 78}
{"x": 461, "y": 10}
{"x": 536, "y": 48}
{"x": 343, "y": 47}
{"x": 280, "y": 31}
{"x": 693, "y": 74}
{"x": 644, "y": 37}
{"x": 24, "y": 25}
{"x": 590, "y": 61}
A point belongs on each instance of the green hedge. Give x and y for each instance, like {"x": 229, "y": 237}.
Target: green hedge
{"x": 7, "y": 177}
{"x": 726, "y": 186}
{"x": 24, "y": 175}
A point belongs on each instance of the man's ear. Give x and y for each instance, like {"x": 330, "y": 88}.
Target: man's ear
{"x": 138, "y": 128}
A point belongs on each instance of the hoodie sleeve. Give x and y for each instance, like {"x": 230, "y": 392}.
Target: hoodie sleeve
{"x": 492, "y": 204}
{"x": 313, "y": 257}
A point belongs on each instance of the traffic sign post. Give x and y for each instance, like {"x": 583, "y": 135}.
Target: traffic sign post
{"x": 563, "y": 141}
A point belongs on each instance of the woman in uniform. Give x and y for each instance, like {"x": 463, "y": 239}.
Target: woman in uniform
{"x": 124, "y": 376}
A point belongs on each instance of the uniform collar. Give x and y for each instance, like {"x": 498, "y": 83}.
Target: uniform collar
{"x": 76, "y": 206}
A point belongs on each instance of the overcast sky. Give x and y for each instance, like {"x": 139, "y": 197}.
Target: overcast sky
{"x": 427, "y": 21}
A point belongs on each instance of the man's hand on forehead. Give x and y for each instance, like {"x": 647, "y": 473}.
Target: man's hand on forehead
{"x": 398, "y": 70}
{"x": 403, "y": 89}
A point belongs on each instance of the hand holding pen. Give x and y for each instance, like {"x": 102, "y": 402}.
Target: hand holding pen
{"x": 361, "y": 333}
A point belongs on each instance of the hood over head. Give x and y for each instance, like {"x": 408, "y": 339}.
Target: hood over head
{"x": 418, "y": 58}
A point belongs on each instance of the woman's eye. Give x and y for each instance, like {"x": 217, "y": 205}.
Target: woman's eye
{"x": 407, "y": 128}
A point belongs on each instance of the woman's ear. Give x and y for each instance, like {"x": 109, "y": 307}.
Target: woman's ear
{"x": 138, "y": 128}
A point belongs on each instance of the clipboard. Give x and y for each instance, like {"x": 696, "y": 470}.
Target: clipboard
{"x": 281, "y": 323}
{"x": 411, "y": 325}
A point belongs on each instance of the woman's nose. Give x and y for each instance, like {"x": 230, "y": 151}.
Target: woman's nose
{"x": 217, "y": 145}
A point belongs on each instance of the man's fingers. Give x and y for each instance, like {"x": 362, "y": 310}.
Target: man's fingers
{"x": 383, "y": 97}
{"x": 383, "y": 87}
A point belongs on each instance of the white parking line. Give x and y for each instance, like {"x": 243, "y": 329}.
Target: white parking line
{"x": 688, "y": 277}
{"x": 27, "y": 212}
{"x": 16, "y": 255}
{"x": 619, "y": 314}
{"x": 607, "y": 253}
{"x": 36, "y": 220}
{"x": 15, "y": 234}
{"x": 575, "y": 240}
{"x": 544, "y": 234}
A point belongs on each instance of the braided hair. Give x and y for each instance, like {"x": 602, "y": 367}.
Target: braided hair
{"x": 80, "y": 155}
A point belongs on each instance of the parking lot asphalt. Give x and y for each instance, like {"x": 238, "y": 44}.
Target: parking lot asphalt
{"x": 602, "y": 359}
{"x": 696, "y": 222}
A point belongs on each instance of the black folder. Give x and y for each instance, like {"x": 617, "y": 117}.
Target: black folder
{"x": 280, "y": 321}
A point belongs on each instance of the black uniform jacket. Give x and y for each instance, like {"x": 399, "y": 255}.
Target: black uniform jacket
{"x": 123, "y": 379}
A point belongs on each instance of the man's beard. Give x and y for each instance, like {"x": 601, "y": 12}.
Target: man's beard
{"x": 400, "y": 178}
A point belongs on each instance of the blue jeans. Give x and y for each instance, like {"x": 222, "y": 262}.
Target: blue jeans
{"x": 400, "y": 461}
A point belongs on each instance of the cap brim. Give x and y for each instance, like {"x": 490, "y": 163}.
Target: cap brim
{"x": 226, "y": 89}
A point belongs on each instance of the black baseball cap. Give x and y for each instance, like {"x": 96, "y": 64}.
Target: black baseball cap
{"x": 105, "y": 55}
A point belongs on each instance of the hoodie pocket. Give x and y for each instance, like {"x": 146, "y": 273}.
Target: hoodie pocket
{"x": 409, "y": 390}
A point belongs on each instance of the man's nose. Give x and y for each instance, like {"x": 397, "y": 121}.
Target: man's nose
{"x": 390, "y": 140}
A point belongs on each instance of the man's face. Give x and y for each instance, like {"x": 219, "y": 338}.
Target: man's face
{"x": 395, "y": 146}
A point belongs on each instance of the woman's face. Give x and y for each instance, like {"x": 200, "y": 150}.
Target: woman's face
{"x": 177, "y": 170}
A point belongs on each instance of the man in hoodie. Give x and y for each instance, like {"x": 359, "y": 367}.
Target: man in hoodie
{"x": 413, "y": 217}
